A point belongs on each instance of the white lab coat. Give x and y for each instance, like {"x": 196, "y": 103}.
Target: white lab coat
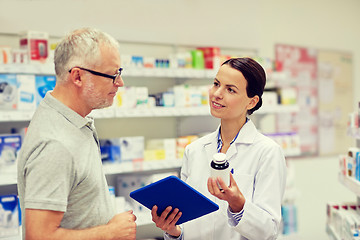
{"x": 259, "y": 171}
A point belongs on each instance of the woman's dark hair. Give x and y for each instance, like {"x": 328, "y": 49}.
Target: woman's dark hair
{"x": 254, "y": 75}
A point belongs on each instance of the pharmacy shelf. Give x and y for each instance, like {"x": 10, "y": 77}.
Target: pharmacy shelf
{"x": 332, "y": 233}
{"x": 35, "y": 68}
{"x": 140, "y": 166}
{"x": 169, "y": 72}
{"x": 13, "y": 116}
{"x": 352, "y": 184}
{"x": 150, "y": 112}
{"x": 292, "y": 236}
{"x": 353, "y": 132}
{"x": 48, "y": 69}
{"x": 17, "y": 237}
{"x": 10, "y": 178}
{"x": 278, "y": 109}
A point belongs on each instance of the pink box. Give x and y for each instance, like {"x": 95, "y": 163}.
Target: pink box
{"x": 36, "y": 43}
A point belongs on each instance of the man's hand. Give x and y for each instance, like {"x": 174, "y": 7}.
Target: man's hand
{"x": 122, "y": 226}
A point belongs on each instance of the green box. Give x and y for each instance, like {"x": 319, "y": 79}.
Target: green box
{"x": 197, "y": 59}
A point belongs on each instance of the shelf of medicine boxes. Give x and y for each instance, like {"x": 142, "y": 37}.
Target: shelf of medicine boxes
{"x": 353, "y": 132}
{"x": 332, "y": 233}
{"x": 10, "y": 178}
{"x": 47, "y": 69}
{"x": 349, "y": 182}
{"x": 9, "y": 116}
{"x": 354, "y": 186}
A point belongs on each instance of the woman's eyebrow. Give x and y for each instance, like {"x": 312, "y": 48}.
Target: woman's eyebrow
{"x": 227, "y": 85}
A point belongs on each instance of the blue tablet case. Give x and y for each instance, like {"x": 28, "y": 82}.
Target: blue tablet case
{"x": 172, "y": 191}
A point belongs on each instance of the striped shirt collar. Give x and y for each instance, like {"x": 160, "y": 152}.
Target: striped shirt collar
{"x": 220, "y": 142}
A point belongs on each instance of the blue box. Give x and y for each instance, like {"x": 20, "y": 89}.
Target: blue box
{"x": 122, "y": 149}
{"x": 10, "y": 216}
{"x": 43, "y": 84}
{"x": 110, "y": 150}
{"x": 9, "y": 147}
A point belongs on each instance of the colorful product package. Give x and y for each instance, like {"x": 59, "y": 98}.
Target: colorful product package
{"x": 26, "y": 92}
{"x": 43, "y": 84}
{"x": 122, "y": 149}
{"x": 9, "y": 146}
{"x": 10, "y": 219}
{"x": 36, "y": 43}
{"x": 8, "y": 92}
{"x": 211, "y": 57}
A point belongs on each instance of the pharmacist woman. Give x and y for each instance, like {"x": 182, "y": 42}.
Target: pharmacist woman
{"x": 250, "y": 207}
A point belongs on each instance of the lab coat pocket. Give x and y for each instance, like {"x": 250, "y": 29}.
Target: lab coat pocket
{"x": 245, "y": 183}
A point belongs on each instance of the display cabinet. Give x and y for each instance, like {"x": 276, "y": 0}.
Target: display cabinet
{"x": 154, "y": 122}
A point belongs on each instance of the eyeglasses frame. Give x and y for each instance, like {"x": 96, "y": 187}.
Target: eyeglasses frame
{"x": 113, "y": 77}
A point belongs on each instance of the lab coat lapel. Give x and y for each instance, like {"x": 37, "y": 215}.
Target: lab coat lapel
{"x": 231, "y": 151}
{"x": 210, "y": 145}
{"x": 246, "y": 136}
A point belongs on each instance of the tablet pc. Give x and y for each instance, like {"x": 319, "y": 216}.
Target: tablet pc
{"x": 172, "y": 191}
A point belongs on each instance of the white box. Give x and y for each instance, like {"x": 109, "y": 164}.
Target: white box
{"x": 122, "y": 149}
{"x": 36, "y": 43}
{"x": 132, "y": 148}
{"x": 8, "y": 92}
{"x": 26, "y": 92}
{"x": 269, "y": 99}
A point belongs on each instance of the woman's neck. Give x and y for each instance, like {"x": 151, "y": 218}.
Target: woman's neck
{"x": 229, "y": 129}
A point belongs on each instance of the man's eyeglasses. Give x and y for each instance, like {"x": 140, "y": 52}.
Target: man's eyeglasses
{"x": 113, "y": 77}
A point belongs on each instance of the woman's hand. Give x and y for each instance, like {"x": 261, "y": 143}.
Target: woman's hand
{"x": 167, "y": 221}
{"x": 231, "y": 194}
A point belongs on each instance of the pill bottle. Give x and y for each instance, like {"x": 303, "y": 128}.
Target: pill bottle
{"x": 220, "y": 168}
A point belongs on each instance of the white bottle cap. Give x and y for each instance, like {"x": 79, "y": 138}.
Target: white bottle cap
{"x": 219, "y": 157}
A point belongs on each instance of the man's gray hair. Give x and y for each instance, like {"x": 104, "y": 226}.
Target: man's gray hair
{"x": 81, "y": 48}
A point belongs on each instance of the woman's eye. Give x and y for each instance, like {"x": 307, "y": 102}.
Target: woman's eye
{"x": 231, "y": 90}
{"x": 216, "y": 84}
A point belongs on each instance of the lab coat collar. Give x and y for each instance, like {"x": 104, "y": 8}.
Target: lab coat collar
{"x": 247, "y": 133}
{"x": 246, "y": 136}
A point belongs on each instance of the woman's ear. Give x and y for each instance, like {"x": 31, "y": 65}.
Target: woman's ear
{"x": 253, "y": 101}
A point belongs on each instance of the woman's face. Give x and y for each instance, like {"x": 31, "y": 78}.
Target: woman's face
{"x": 227, "y": 97}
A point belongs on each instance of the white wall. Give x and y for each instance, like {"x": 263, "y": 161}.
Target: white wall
{"x": 324, "y": 24}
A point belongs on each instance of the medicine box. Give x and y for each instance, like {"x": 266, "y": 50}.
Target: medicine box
{"x": 110, "y": 150}
{"x": 126, "y": 97}
{"x": 5, "y": 55}
{"x": 122, "y": 149}
{"x": 198, "y": 59}
{"x": 270, "y": 98}
{"x": 161, "y": 149}
{"x": 8, "y": 92}
{"x": 211, "y": 57}
{"x": 26, "y": 92}
{"x": 9, "y": 147}
{"x": 36, "y": 43}
{"x": 43, "y": 84}
{"x": 9, "y": 216}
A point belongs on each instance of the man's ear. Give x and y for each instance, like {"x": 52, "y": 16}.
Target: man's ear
{"x": 75, "y": 76}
